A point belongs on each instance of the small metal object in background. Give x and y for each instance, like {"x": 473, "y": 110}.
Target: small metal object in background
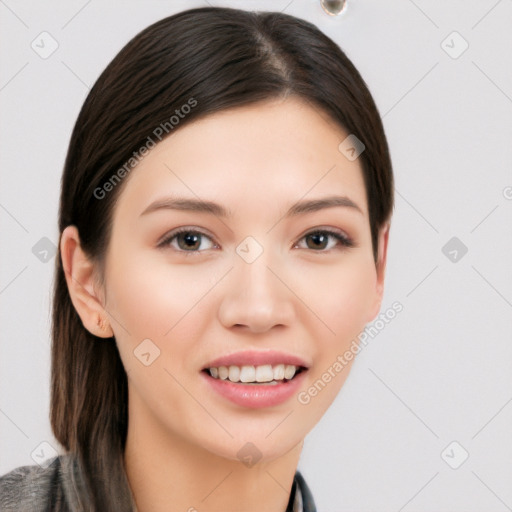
{"x": 333, "y": 7}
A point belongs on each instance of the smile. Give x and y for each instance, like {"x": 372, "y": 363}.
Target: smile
{"x": 248, "y": 374}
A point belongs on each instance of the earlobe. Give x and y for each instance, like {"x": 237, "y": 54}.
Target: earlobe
{"x": 382, "y": 258}
{"x": 381, "y": 268}
{"x": 79, "y": 273}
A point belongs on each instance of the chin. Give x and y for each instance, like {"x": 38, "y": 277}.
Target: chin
{"x": 254, "y": 449}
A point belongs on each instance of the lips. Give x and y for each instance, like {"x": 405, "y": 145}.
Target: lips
{"x": 257, "y": 358}
{"x": 253, "y": 395}
{"x": 233, "y": 377}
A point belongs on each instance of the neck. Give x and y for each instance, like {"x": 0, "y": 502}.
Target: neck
{"x": 167, "y": 473}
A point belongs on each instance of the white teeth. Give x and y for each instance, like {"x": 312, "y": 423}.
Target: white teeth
{"x": 234, "y": 374}
{"x": 249, "y": 374}
{"x": 279, "y": 372}
{"x": 223, "y": 372}
{"x": 289, "y": 371}
{"x": 264, "y": 373}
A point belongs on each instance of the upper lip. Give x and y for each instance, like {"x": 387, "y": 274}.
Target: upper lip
{"x": 256, "y": 358}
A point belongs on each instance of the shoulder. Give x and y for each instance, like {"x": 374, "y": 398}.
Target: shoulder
{"x": 30, "y": 487}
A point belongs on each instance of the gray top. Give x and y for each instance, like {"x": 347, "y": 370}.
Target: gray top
{"x": 53, "y": 487}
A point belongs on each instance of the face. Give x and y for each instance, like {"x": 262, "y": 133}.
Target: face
{"x": 252, "y": 274}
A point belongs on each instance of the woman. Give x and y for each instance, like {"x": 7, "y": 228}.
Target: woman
{"x": 224, "y": 219}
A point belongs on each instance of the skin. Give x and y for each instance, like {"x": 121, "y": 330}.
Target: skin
{"x": 300, "y": 296}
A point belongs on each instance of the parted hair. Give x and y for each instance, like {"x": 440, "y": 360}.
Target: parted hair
{"x": 223, "y": 58}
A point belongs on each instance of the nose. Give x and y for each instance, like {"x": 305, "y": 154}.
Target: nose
{"x": 256, "y": 297}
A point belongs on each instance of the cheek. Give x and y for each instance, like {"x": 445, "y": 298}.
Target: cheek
{"x": 343, "y": 297}
{"x": 163, "y": 303}
{"x": 343, "y": 301}
{"x": 160, "y": 301}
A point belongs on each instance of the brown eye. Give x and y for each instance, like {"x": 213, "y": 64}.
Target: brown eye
{"x": 186, "y": 240}
{"x": 318, "y": 240}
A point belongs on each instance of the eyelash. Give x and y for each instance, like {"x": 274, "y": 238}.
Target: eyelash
{"x": 343, "y": 240}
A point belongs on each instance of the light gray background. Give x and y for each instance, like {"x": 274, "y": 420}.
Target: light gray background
{"x": 441, "y": 370}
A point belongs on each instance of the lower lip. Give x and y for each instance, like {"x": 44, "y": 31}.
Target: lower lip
{"x": 258, "y": 395}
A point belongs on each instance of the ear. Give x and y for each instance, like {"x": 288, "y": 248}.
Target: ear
{"x": 80, "y": 278}
{"x": 380, "y": 268}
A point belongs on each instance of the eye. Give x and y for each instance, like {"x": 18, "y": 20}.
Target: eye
{"x": 320, "y": 237}
{"x": 186, "y": 240}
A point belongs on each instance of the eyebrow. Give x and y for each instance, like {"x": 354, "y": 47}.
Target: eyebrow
{"x": 203, "y": 206}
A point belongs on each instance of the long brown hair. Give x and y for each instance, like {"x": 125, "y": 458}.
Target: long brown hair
{"x": 222, "y": 58}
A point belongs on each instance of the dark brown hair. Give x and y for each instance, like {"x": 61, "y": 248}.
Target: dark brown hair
{"x": 221, "y": 58}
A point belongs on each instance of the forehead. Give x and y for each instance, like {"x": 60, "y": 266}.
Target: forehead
{"x": 252, "y": 157}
